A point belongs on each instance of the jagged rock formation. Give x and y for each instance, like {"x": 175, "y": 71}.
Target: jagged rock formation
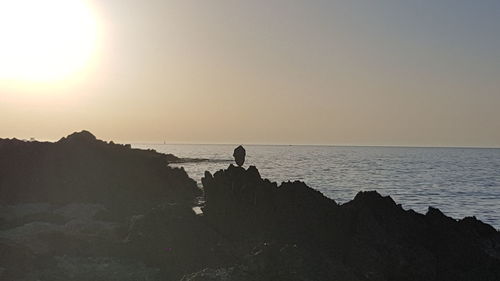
{"x": 80, "y": 168}
{"x": 240, "y": 203}
{"x": 368, "y": 238}
{"x": 83, "y": 209}
{"x": 65, "y": 207}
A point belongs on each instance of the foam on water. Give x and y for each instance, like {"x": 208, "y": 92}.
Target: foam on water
{"x": 459, "y": 181}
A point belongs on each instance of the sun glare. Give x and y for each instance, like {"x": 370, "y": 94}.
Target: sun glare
{"x": 45, "y": 41}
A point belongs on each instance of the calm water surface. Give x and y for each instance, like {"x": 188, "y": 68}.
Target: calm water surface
{"x": 459, "y": 181}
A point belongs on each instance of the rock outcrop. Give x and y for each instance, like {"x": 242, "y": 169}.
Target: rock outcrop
{"x": 368, "y": 238}
{"x": 84, "y": 209}
{"x": 81, "y": 168}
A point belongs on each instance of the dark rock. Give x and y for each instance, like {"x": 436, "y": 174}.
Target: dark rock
{"x": 240, "y": 201}
{"x": 81, "y": 168}
{"x": 175, "y": 240}
{"x": 239, "y": 155}
{"x": 106, "y": 211}
{"x": 368, "y": 238}
{"x": 79, "y": 137}
{"x": 71, "y": 199}
{"x": 269, "y": 262}
{"x": 63, "y": 268}
{"x": 209, "y": 274}
{"x": 15, "y": 260}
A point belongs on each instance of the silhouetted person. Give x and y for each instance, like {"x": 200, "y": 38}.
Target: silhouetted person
{"x": 239, "y": 155}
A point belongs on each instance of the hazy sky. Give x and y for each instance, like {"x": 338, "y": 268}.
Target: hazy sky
{"x": 368, "y": 72}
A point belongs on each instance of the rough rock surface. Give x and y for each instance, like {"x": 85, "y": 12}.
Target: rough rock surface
{"x": 174, "y": 239}
{"x": 368, "y": 238}
{"x": 34, "y": 239}
{"x": 64, "y": 268}
{"x": 66, "y": 207}
{"x": 80, "y": 168}
{"x": 83, "y": 209}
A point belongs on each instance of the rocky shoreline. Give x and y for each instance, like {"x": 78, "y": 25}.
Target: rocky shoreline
{"x": 85, "y": 209}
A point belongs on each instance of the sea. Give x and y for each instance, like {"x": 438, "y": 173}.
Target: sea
{"x": 459, "y": 181}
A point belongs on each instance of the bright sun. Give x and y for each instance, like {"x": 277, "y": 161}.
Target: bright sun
{"x": 45, "y": 41}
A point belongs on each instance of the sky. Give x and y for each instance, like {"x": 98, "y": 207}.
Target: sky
{"x": 372, "y": 72}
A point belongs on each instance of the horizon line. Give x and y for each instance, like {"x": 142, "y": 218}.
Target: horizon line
{"x": 281, "y": 144}
{"x": 326, "y": 145}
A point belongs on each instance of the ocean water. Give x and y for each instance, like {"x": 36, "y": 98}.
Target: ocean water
{"x": 459, "y": 181}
